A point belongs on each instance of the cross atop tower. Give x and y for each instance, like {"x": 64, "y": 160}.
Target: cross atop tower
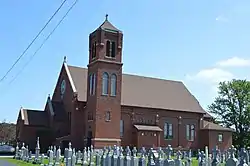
{"x": 106, "y": 17}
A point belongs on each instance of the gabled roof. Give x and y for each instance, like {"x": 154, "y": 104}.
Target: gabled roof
{"x": 212, "y": 126}
{"x": 34, "y": 117}
{"x": 142, "y": 91}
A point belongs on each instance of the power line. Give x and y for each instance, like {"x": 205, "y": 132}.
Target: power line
{"x": 33, "y": 41}
{"x": 44, "y": 41}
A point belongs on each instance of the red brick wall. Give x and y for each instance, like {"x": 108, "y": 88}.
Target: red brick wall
{"x": 29, "y": 135}
{"x": 69, "y": 105}
{"x": 210, "y": 138}
{"x": 149, "y": 115}
{"x": 213, "y": 140}
{"x": 147, "y": 139}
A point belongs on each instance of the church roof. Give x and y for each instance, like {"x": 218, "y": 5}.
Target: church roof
{"x": 107, "y": 26}
{"x": 34, "y": 117}
{"x": 140, "y": 91}
{"x": 212, "y": 126}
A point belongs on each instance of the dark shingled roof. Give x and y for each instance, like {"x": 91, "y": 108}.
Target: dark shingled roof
{"x": 107, "y": 26}
{"x": 147, "y": 128}
{"x": 207, "y": 115}
{"x": 35, "y": 117}
{"x": 212, "y": 126}
{"x": 142, "y": 91}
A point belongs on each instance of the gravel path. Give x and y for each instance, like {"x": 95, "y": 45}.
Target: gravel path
{"x": 6, "y": 163}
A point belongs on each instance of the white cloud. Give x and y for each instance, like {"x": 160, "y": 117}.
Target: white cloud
{"x": 212, "y": 75}
{"x": 204, "y": 83}
{"x": 234, "y": 62}
{"x": 221, "y": 18}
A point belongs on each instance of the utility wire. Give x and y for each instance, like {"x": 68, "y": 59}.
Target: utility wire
{"x": 44, "y": 41}
{"x": 18, "y": 59}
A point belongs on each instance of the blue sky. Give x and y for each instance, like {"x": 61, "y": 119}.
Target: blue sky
{"x": 197, "y": 42}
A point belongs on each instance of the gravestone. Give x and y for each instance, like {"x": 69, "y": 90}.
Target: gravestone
{"x": 84, "y": 157}
{"x": 206, "y": 155}
{"x": 66, "y": 151}
{"x": 98, "y": 158}
{"x": 17, "y": 152}
{"x": 92, "y": 156}
{"x": 51, "y": 157}
{"x": 22, "y": 152}
{"x": 215, "y": 161}
{"x": 134, "y": 158}
{"x": 121, "y": 157}
{"x": 169, "y": 161}
{"x": 73, "y": 160}
{"x": 57, "y": 159}
{"x": 202, "y": 159}
{"x": 30, "y": 157}
{"x": 178, "y": 161}
{"x": 232, "y": 161}
{"x": 114, "y": 160}
{"x": 78, "y": 157}
{"x": 37, "y": 152}
{"x": 243, "y": 156}
{"x": 68, "y": 163}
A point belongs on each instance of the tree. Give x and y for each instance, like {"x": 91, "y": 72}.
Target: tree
{"x": 7, "y": 132}
{"x": 232, "y": 109}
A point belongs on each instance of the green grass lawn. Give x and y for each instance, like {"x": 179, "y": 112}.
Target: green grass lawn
{"x": 22, "y": 163}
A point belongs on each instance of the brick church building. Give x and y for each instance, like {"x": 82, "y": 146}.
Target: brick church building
{"x": 100, "y": 105}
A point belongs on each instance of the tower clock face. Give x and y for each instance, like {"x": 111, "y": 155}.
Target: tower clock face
{"x": 63, "y": 87}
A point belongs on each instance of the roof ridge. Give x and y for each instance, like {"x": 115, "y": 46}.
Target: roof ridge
{"x": 134, "y": 75}
{"x": 34, "y": 110}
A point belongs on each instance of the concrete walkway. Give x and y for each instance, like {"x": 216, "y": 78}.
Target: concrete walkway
{"x": 6, "y": 163}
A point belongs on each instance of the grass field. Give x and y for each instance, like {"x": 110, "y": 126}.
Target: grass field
{"x": 22, "y": 163}
{"x": 19, "y": 162}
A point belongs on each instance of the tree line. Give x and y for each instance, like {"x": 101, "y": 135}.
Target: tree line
{"x": 7, "y": 132}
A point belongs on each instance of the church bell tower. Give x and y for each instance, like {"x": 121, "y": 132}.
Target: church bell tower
{"x": 104, "y": 86}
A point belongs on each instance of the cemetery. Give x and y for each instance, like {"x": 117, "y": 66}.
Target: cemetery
{"x": 119, "y": 156}
{"x": 73, "y": 124}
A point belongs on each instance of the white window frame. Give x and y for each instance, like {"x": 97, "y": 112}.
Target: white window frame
{"x": 220, "y": 137}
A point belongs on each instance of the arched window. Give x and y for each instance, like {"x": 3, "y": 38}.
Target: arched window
{"x": 94, "y": 50}
{"x": 113, "y": 50}
{"x": 108, "y": 49}
{"x": 90, "y": 84}
{"x": 94, "y": 83}
{"x": 105, "y": 83}
{"x": 113, "y": 85}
